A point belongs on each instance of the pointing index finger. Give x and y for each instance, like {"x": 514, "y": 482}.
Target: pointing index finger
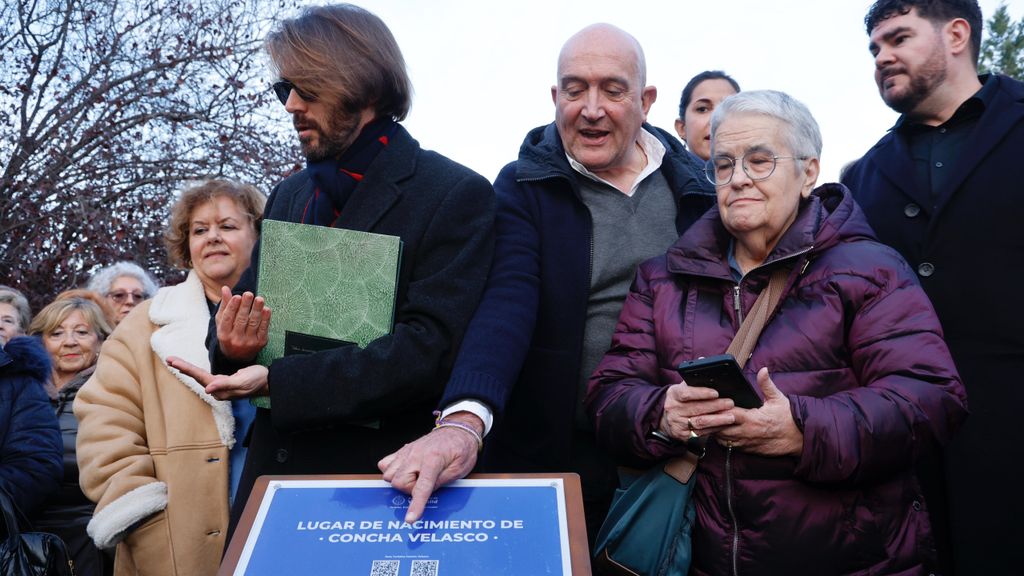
{"x": 425, "y": 483}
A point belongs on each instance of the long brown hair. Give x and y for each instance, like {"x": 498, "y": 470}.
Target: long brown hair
{"x": 344, "y": 55}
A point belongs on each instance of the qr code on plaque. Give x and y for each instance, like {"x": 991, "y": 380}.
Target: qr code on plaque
{"x": 424, "y": 568}
{"x": 384, "y": 568}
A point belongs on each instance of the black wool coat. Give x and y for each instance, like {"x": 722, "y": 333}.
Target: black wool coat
{"x": 339, "y": 411}
{"x": 968, "y": 250}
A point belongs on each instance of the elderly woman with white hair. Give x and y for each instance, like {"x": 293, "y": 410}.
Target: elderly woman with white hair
{"x": 855, "y": 378}
{"x": 125, "y": 285}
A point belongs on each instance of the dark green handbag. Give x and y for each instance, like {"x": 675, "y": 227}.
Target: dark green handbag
{"x": 647, "y": 530}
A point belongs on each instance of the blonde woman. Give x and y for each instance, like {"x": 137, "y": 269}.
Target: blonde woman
{"x": 72, "y": 330}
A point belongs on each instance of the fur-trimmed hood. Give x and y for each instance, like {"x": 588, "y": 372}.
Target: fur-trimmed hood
{"x": 25, "y": 355}
{"x": 184, "y": 318}
{"x": 30, "y": 443}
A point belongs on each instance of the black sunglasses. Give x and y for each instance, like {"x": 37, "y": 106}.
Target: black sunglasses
{"x": 283, "y": 89}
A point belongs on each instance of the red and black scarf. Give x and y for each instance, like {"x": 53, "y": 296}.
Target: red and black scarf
{"x": 335, "y": 179}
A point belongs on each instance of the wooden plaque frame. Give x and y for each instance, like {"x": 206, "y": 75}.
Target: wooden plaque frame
{"x": 579, "y": 551}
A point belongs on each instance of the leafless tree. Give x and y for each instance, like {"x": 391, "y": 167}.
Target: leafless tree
{"x": 106, "y": 108}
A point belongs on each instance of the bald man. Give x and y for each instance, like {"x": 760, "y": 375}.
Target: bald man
{"x": 591, "y": 196}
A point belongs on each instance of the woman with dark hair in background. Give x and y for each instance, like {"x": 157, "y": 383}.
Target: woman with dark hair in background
{"x": 701, "y": 95}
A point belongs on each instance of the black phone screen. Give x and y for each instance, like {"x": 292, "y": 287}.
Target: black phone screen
{"x": 723, "y": 374}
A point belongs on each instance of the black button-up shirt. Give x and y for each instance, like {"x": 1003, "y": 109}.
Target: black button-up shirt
{"x": 936, "y": 149}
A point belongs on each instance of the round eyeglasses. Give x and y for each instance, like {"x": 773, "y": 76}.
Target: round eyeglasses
{"x": 757, "y": 165}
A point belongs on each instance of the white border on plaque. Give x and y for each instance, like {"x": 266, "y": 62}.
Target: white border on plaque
{"x": 275, "y": 486}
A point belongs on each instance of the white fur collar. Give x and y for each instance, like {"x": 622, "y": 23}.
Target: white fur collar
{"x": 183, "y": 317}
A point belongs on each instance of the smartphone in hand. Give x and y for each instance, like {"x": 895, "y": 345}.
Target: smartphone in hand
{"x": 723, "y": 374}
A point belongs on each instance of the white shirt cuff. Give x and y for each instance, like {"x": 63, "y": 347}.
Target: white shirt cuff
{"x": 473, "y": 407}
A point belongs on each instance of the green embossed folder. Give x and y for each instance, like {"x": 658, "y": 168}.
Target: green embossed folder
{"x": 327, "y": 287}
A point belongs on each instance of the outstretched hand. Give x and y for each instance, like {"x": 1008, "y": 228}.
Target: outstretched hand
{"x": 243, "y": 324}
{"x": 249, "y": 381}
{"x": 433, "y": 460}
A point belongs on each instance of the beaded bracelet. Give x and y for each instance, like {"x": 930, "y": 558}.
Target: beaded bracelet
{"x": 441, "y": 423}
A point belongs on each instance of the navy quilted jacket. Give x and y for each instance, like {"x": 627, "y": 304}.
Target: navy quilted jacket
{"x": 856, "y": 347}
{"x": 30, "y": 443}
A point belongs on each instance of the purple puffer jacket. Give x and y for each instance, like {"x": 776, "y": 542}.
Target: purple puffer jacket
{"x": 857, "y": 349}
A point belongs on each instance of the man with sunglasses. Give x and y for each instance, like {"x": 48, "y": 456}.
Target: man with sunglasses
{"x": 344, "y": 82}
{"x": 592, "y": 195}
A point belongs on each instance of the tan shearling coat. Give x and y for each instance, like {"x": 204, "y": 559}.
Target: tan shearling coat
{"x": 153, "y": 446}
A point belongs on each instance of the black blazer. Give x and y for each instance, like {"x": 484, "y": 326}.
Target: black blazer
{"x": 341, "y": 410}
{"x": 968, "y": 249}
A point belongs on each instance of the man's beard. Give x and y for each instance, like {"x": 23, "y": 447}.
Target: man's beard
{"x": 332, "y": 142}
{"x": 921, "y": 83}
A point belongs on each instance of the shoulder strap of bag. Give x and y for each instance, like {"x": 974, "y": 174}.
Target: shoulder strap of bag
{"x": 750, "y": 330}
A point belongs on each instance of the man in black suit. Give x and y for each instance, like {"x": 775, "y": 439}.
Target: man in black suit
{"x": 944, "y": 188}
{"x": 343, "y": 80}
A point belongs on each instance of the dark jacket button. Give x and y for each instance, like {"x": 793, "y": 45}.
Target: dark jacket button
{"x": 925, "y": 269}
{"x": 281, "y": 455}
{"x": 916, "y": 505}
{"x": 911, "y": 210}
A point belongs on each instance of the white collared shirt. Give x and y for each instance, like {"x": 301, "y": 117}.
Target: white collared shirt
{"x": 653, "y": 149}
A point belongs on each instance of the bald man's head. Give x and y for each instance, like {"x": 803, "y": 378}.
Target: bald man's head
{"x": 601, "y": 100}
{"x": 607, "y": 38}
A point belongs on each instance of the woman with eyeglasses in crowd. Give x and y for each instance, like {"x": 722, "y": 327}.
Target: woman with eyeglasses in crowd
{"x": 72, "y": 330}
{"x": 125, "y": 285}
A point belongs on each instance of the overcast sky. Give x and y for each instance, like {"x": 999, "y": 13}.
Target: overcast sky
{"x": 482, "y": 71}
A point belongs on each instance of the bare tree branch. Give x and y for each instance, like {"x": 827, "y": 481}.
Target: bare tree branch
{"x": 106, "y": 108}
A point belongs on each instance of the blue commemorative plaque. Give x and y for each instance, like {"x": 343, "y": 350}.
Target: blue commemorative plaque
{"x": 494, "y": 526}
